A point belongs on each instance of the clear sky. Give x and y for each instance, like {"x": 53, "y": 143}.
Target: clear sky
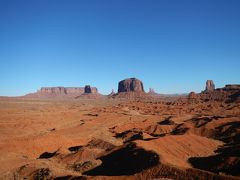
{"x": 173, "y": 46}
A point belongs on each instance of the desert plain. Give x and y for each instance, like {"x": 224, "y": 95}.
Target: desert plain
{"x": 141, "y": 136}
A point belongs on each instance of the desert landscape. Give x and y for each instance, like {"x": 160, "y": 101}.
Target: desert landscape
{"x": 77, "y": 133}
{"x": 119, "y": 89}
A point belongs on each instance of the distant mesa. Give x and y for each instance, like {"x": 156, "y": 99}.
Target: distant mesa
{"x": 130, "y": 85}
{"x": 49, "y": 92}
{"x": 62, "y": 92}
{"x": 133, "y": 88}
{"x": 210, "y": 86}
{"x": 55, "y": 90}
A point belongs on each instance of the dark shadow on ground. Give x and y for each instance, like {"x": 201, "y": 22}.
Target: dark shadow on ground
{"x": 127, "y": 160}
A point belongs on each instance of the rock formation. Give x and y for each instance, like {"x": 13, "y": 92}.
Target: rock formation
{"x": 89, "y": 93}
{"x": 87, "y": 89}
{"x": 130, "y": 85}
{"x": 230, "y": 92}
{"x": 54, "y": 91}
{"x": 209, "y": 86}
{"x": 62, "y": 92}
{"x": 131, "y": 88}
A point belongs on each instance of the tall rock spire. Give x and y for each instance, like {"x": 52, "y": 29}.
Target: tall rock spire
{"x": 209, "y": 86}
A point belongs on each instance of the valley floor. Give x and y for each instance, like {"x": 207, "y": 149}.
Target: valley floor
{"x": 108, "y": 139}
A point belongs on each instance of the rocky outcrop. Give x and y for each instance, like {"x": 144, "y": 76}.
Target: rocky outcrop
{"x": 130, "y": 85}
{"x": 62, "y": 92}
{"x": 210, "y": 86}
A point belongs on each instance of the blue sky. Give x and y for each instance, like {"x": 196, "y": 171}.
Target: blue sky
{"x": 172, "y": 46}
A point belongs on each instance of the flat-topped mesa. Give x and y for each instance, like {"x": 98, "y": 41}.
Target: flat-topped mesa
{"x": 62, "y": 92}
{"x": 130, "y": 85}
{"x": 210, "y": 86}
{"x": 68, "y": 90}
